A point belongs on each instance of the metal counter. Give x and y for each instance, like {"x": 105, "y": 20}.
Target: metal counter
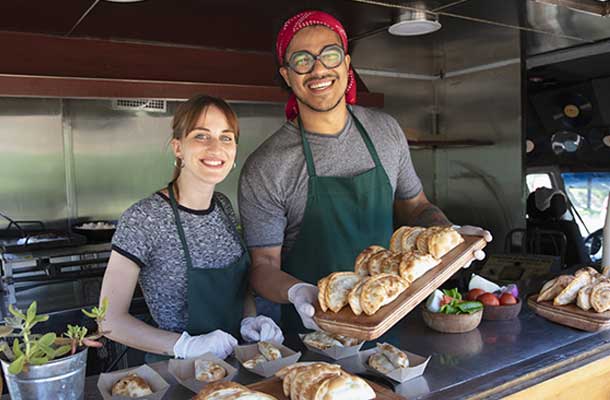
{"x": 476, "y": 364}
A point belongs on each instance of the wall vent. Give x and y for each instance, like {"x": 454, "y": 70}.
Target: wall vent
{"x": 150, "y": 105}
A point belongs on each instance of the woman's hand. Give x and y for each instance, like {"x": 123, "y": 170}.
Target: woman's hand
{"x": 256, "y": 329}
{"x": 216, "y": 342}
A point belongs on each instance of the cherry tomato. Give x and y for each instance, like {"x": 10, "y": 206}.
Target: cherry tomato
{"x": 474, "y": 293}
{"x": 489, "y": 299}
{"x": 507, "y": 298}
{"x": 446, "y": 300}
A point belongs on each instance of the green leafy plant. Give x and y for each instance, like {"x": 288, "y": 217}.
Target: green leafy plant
{"x": 35, "y": 349}
{"x": 455, "y": 304}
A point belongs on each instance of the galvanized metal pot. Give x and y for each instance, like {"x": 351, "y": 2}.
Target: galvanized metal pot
{"x": 61, "y": 379}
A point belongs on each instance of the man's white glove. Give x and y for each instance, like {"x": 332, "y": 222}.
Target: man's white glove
{"x": 256, "y": 329}
{"x": 217, "y": 342}
{"x": 303, "y": 296}
{"x": 474, "y": 231}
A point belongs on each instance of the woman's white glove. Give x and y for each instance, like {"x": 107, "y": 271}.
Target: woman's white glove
{"x": 259, "y": 328}
{"x": 474, "y": 231}
{"x": 303, "y": 296}
{"x": 217, "y": 342}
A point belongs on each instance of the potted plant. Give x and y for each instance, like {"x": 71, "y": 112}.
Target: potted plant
{"x": 45, "y": 366}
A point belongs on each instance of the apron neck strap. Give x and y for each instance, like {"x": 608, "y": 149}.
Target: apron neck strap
{"x": 311, "y": 169}
{"x": 178, "y": 221}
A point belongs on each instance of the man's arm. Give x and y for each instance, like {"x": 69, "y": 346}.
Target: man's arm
{"x": 266, "y": 276}
{"x": 418, "y": 211}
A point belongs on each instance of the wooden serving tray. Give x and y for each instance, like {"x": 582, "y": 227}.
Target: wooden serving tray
{"x": 366, "y": 327}
{"x": 570, "y": 315}
{"x": 273, "y": 386}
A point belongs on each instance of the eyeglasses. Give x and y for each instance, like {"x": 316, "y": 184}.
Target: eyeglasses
{"x": 302, "y": 62}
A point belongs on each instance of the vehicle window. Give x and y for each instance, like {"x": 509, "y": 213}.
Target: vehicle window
{"x": 588, "y": 192}
{"x": 538, "y": 180}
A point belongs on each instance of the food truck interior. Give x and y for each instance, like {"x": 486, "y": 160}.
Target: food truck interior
{"x": 507, "y": 97}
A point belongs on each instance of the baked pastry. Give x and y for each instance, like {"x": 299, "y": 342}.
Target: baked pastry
{"x": 376, "y": 261}
{"x": 253, "y": 362}
{"x": 409, "y": 239}
{"x": 422, "y": 239}
{"x": 287, "y": 374}
{"x": 132, "y": 386}
{"x": 344, "y": 386}
{"x": 322, "y": 285}
{"x": 583, "y": 300}
{"x": 415, "y": 264}
{"x": 569, "y": 293}
{"x": 391, "y": 264}
{"x": 398, "y": 358}
{"x": 354, "y": 296}
{"x": 594, "y": 273}
{"x": 208, "y": 371}
{"x": 347, "y": 341}
{"x": 230, "y": 390}
{"x": 600, "y": 297}
{"x": 309, "y": 374}
{"x": 281, "y": 373}
{"x": 321, "y": 340}
{"x": 380, "y": 363}
{"x": 380, "y": 290}
{"x": 269, "y": 351}
{"x": 396, "y": 239}
{"x": 361, "y": 264}
{"x": 443, "y": 241}
{"x": 338, "y": 288}
{"x": 555, "y": 288}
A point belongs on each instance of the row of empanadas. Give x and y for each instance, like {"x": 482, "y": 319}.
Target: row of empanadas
{"x": 436, "y": 241}
{"x": 587, "y": 288}
{"x": 322, "y": 340}
{"x": 268, "y": 352}
{"x": 322, "y": 381}
{"x": 375, "y": 260}
{"x": 230, "y": 390}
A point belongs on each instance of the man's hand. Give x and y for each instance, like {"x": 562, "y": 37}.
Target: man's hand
{"x": 475, "y": 231}
{"x": 260, "y": 328}
{"x": 303, "y": 296}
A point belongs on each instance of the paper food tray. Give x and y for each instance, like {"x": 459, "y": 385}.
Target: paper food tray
{"x": 184, "y": 371}
{"x": 268, "y": 368}
{"x": 335, "y": 352}
{"x": 417, "y": 365}
{"x": 158, "y": 385}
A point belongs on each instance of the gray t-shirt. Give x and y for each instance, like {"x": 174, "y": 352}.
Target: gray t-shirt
{"x": 273, "y": 183}
{"x": 147, "y": 235}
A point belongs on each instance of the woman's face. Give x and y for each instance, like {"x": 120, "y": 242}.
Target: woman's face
{"x": 208, "y": 151}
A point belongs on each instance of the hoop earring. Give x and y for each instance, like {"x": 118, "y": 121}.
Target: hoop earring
{"x": 178, "y": 163}
{"x": 234, "y": 165}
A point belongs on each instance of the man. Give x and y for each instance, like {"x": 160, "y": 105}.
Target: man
{"x": 330, "y": 181}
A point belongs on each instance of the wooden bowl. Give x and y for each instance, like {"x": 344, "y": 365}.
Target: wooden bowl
{"x": 452, "y": 323}
{"x": 502, "y": 313}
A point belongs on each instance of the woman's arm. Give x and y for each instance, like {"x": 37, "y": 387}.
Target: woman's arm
{"x": 119, "y": 283}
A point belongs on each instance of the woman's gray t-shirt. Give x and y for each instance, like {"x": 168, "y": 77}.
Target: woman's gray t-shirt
{"x": 147, "y": 235}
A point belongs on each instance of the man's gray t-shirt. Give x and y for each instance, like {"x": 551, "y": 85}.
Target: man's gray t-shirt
{"x": 273, "y": 183}
{"x": 147, "y": 235}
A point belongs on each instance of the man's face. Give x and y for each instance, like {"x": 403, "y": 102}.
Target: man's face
{"x": 322, "y": 89}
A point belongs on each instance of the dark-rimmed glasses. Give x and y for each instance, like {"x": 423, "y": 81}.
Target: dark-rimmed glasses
{"x": 302, "y": 62}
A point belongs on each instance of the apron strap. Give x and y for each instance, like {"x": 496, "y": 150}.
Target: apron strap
{"x": 185, "y": 247}
{"x": 311, "y": 169}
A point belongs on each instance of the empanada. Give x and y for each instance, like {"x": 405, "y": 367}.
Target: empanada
{"x": 347, "y": 341}
{"x": 361, "y": 264}
{"x": 376, "y": 260}
{"x": 396, "y": 239}
{"x": 380, "y": 290}
{"x": 553, "y": 290}
{"x": 287, "y": 374}
{"x": 310, "y": 373}
{"x": 568, "y": 295}
{"x": 380, "y": 363}
{"x": 253, "y": 362}
{"x": 415, "y": 264}
{"x": 208, "y": 371}
{"x": 269, "y": 351}
{"x": 583, "y": 300}
{"x": 344, "y": 386}
{"x": 397, "y": 357}
{"x": 443, "y": 241}
{"x": 132, "y": 386}
{"x": 322, "y": 285}
{"x": 391, "y": 264}
{"x": 321, "y": 340}
{"x": 409, "y": 238}
{"x": 600, "y": 297}
{"x": 354, "y": 297}
{"x": 338, "y": 288}
{"x": 422, "y": 239}
{"x": 216, "y": 390}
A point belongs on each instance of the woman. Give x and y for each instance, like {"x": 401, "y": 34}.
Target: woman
{"x": 182, "y": 246}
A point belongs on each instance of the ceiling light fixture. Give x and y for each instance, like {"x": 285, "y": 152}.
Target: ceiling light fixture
{"x": 413, "y": 23}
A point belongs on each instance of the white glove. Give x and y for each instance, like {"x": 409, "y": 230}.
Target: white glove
{"x": 256, "y": 329}
{"x": 303, "y": 296}
{"x": 217, "y": 342}
{"x": 474, "y": 231}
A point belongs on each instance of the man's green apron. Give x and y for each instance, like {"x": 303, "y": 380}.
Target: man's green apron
{"x": 215, "y": 296}
{"x": 343, "y": 216}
